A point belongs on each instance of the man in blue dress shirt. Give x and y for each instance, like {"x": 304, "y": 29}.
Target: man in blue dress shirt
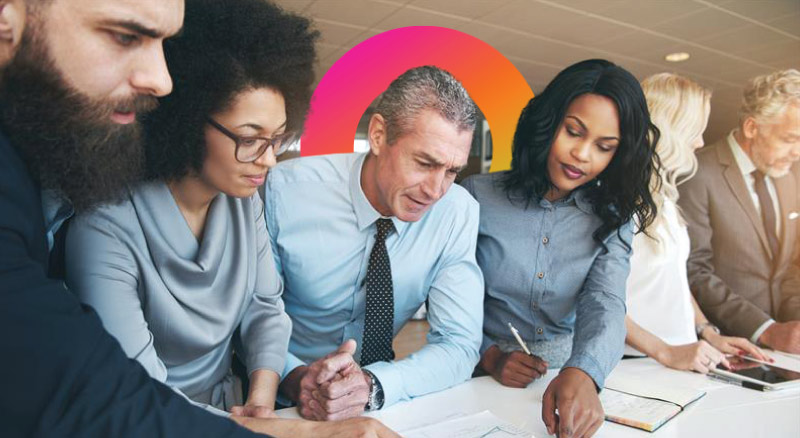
{"x": 68, "y": 141}
{"x": 323, "y": 213}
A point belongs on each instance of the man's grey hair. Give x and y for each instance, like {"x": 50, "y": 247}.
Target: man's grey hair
{"x": 420, "y": 89}
{"x": 767, "y": 96}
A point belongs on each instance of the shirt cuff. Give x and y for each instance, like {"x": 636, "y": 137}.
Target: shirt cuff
{"x": 292, "y": 362}
{"x": 588, "y": 365}
{"x": 268, "y": 361}
{"x": 391, "y": 381}
{"x": 760, "y": 331}
{"x": 485, "y": 345}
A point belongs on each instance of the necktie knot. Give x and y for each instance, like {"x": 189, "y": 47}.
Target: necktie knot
{"x": 385, "y": 227}
{"x": 758, "y": 175}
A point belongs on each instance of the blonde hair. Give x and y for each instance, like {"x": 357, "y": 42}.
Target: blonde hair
{"x": 768, "y": 95}
{"x": 679, "y": 108}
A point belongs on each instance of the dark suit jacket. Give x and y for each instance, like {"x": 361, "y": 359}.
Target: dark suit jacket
{"x": 737, "y": 283}
{"x": 61, "y": 374}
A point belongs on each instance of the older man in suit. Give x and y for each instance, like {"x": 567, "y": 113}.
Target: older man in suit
{"x": 742, "y": 212}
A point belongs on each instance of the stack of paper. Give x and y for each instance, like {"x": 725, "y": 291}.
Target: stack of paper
{"x": 642, "y": 404}
{"x": 481, "y": 425}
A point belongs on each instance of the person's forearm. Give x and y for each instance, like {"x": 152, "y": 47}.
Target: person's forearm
{"x": 699, "y": 317}
{"x": 263, "y": 387}
{"x": 290, "y": 386}
{"x": 644, "y": 341}
{"x": 277, "y": 427}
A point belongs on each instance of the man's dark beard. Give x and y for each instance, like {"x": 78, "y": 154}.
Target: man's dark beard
{"x": 68, "y": 140}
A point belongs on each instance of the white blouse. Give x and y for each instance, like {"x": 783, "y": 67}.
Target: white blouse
{"x": 658, "y": 295}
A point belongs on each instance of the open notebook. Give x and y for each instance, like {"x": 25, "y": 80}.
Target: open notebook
{"x": 642, "y": 404}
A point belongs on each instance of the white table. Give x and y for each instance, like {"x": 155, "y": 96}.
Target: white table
{"x": 726, "y": 411}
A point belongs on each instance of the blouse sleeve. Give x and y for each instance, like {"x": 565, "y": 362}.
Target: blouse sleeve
{"x": 101, "y": 271}
{"x": 599, "y": 338}
{"x": 265, "y": 328}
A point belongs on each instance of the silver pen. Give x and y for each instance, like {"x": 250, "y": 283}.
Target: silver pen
{"x": 519, "y": 339}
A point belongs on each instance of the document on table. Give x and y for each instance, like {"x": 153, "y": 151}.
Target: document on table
{"x": 644, "y": 405}
{"x": 481, "y": 425}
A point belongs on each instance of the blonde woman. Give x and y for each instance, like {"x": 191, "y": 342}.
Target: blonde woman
{"x": 664, "y": 320}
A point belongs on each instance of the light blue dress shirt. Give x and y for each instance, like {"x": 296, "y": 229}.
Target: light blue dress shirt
{"x": 323, "y": 228}
{"x": 547, "y": 276}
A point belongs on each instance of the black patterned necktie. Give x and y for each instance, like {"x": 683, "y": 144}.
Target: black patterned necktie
{"x": 376, "y": 345}
{"x": 767, "y": 212}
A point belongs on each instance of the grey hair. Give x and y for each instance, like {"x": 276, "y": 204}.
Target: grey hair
{"x": 767, "y": 96}
{"x": 425, "y": 88}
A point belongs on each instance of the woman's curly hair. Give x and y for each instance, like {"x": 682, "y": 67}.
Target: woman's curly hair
{"x": 226, "y": 47}
{"x": 622, "y": 190}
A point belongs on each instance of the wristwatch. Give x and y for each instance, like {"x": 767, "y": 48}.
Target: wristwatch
{"x": 700, "y": 327}
{"x": 375, "y": 400}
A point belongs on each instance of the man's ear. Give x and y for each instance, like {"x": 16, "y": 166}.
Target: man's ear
{"x": 12, "y": 24}
{"x": 376, "y": 134}
{"x": 749, "y": 128}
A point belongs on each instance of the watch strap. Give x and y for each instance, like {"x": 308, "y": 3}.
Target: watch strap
{"x": 700, "y": 327}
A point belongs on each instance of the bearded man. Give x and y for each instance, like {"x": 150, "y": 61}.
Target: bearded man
{"x": 69, "y": 140}
{"x": 742, "y": 211}
{"x": 77, "y": 78}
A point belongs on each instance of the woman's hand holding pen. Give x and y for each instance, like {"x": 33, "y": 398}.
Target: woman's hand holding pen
{"x": 515, "y": 369}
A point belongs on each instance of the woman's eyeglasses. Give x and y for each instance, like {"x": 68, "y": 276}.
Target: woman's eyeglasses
{"x": 249, "y": 149}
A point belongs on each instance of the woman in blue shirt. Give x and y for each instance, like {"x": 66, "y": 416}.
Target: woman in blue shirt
{"x": 555, "y": 238}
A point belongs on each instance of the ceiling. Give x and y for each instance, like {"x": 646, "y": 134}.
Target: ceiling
{"x": 729, "y": 41}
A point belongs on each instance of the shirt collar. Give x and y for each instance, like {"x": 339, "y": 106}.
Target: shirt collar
{"x": 582, "y": 201}
{"x": 744, "y": 162}
{"x": 57, "y": 210}
{"x": 578, "y": 197}
{"x": 366, "y": 215}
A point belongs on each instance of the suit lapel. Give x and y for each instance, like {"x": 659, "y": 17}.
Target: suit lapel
{"x": 733, "y": 176}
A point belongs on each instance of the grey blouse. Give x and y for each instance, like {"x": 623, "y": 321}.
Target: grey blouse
{"x": 176, "y": 305}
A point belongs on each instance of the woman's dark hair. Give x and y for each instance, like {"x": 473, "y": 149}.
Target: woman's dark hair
{"x": 622, "y": 190}
{"x": 226, "y": 47}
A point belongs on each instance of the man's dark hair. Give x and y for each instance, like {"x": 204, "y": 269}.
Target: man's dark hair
{"x": 425, "y": 88}
{"x": 225, "y": 48}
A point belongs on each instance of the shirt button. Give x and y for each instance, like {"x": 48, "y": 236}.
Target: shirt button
{"x": 534, "y": 306}
{"x": 539, "y": 330}
{"x": 540, "y": 275}
{"x": 545, "y": 240}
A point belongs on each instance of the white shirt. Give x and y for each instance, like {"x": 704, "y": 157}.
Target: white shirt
{"x": 747, "y": 167}
{"x": 658, "y": 295}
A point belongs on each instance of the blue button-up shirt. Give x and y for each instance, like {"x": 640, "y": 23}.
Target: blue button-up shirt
{"x": 323, "y": 228}
{"x": 547, "y": 276}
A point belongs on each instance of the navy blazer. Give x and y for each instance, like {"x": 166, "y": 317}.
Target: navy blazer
{"x": 61, "y": 373}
